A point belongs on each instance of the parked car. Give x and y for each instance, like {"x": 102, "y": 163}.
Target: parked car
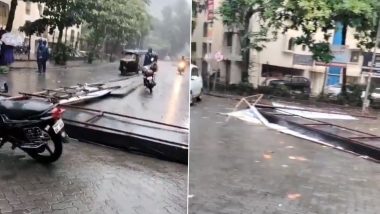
{"x": 374, "y": 97}
{"x": 196, "y": 84}
{"x": 334, "y": 90}
{"x": 293, "y": 83}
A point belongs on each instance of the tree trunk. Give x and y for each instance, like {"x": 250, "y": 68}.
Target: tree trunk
{"x": 246, "y": 48}
{"x": 60, "y": 35}
{"x": 11, "y": 16}
{"x": 344, "y": 70}
{"x": 66, "y": 35}
{"x": 30, "y": 46}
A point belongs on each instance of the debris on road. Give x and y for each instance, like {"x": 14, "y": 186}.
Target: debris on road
{"x": 303, "y": 123}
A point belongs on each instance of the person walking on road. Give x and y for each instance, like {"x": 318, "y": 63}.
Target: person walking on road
{"x": 42, "y": 57}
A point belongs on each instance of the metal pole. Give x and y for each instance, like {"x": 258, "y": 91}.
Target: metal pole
{"x": 365, "y": 102}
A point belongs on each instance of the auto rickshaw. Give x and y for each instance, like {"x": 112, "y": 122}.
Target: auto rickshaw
{"x": 130, "y": 63}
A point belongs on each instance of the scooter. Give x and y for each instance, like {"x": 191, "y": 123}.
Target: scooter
{"x": 34, "y": 126}
{"x": 148, "y": 72}
{"x": 181, "y": 68}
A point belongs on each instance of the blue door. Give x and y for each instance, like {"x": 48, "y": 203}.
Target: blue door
{"x": 334, "y": 73}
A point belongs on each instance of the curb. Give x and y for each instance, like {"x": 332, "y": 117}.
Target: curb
{"x": 233, "y": 97}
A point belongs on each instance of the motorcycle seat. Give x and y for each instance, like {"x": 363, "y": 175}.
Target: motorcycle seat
{"x": 24, "y": 109}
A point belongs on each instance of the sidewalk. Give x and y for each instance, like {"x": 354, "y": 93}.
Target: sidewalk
{"x": 50, "y": 64}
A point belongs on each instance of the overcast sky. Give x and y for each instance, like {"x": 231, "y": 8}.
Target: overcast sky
{"x": 156, "y": 6}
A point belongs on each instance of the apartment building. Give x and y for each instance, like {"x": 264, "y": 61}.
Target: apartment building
{"x": 283, "y": 57}
{"x": 210, "y": 37}
{"x": 279, "y": 58}
{"x": 29, "y": 11}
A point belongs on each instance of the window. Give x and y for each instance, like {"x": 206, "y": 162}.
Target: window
{"x": 205, "y": 29}
{"x": 209, "y": 47}
{"x": 229, "y": 39}
{"x": 27, "y": 7}
{"x": 72, "y": 36}
{"x": 355, "y": 56}
{"x": 193, "y": 47}
{"x": 204, "y": 49}
{"x": 40, "y": 9}
{"x": 291, "y": 44}
{"x": 195, "y": 72}
{"x": 303, "y": 47}
{"x": 3, "y": 14}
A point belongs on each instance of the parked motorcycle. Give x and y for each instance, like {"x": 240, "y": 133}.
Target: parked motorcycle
{"x": 148, "y": 72}
{"x": 34, "y": 126}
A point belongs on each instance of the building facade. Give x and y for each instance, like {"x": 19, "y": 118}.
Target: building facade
{"x": 210, "y": 37}
{"x": 280, "y": 57}
{"x": 29, "y": 11}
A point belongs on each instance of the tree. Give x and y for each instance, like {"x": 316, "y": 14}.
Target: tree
{"x": 307, "y": 16}
{"x": 115, "y": 22}
{"x": 31, "y": 28}
{"x": 172, "y": 29}
{"x": 12, "y": 12}
{"x": 237, "y": 14}
{"x": 327, "y": 15}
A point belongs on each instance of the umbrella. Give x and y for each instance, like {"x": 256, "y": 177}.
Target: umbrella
{"x": 12, "y": 39}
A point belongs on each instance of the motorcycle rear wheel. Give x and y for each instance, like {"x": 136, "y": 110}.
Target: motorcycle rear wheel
{"x": 53, "y": 155}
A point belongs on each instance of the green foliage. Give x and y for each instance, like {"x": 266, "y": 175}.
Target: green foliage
{"x": 62, "y": 53}
{"x": 306, "y": 16}
{"x": 172, "y": 33}
{"x": 30, "y": 28}
{"x": 115, "y": 22}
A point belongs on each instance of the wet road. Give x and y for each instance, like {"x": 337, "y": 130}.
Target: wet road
{"x": 91, "y": 179}
{"x": 252, "y": 169}
{"x": 169, "y": 102}
{"x": 28, "y": 80}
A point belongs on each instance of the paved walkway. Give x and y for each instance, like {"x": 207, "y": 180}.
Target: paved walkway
{"x": 50, "y": 64}
{"x": 240, "y": 168}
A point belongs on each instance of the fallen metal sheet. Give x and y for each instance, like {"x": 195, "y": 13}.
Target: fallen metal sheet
{"x": 307, "y": 131}
{"x": 164, "y": 141}
{"x": 310, "y": 114}
{"x": 283, "y": 121}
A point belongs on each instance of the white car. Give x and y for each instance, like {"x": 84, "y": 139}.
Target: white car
{"x": 196, "y": 84}
{"x": 374, "y": 97}
{"x": 333, "y": 90}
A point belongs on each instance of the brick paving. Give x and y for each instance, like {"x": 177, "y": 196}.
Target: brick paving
{"x": 242, "y": 168}
{"x": 91, "y": 179}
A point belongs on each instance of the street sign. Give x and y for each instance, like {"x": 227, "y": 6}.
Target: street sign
{"x": 300, "y": 59}
{"x": 219, "y": 56}
{"x": 342, "y": 56}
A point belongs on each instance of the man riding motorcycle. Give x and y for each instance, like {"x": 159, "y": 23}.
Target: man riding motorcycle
{"x": 182, "y": 65}
{"x": 149, "y": 68}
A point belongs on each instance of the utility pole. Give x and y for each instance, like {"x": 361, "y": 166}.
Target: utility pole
{"x": 366, "y": 101}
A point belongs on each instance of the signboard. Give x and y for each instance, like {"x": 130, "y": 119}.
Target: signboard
{"x": 342, "y": 56}
{"x": 300, "y": 59}
{"x": 219, "y": 56}
{"x": 210, "y": 10}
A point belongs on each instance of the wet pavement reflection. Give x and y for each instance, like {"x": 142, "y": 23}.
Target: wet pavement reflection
{"x": 95, "y": 179}
{"x": 91, "y": 179}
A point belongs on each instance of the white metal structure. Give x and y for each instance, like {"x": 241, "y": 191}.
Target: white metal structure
{"x": 196, "y": 84}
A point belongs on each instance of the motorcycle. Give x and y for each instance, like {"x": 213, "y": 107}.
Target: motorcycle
{"x": 181, "y": 67}
{"x": 33, "y": 126}
{"x": 148, "y": 72}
